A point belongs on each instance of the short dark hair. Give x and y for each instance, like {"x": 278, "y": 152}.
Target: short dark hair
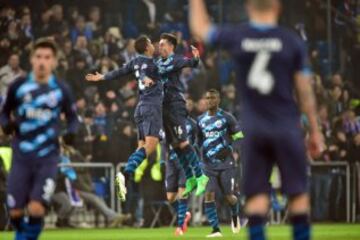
{"x": 262, "y": 5}
{"x": 141, "y": 44}
{"x": 213, "y": 91}
{"x": 171, "y": 38}
{"x": 45, "y": 43}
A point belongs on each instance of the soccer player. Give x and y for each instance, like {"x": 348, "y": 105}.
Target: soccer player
{"x": 148, "y": 113}
{"x": 175, "y": 113}
{"x": 218, "y": 130}
{"x": 31, "y": 114}
{"x": 271, "y": 65}
{"x": 175, "y": 182}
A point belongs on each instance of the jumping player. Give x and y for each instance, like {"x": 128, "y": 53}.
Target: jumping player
{"x": 175, "y": 113}
{"x": 218, "y": 130}
{"x": 270, "y": 62}
{"x": 176, "y": 179}
{"x": 148, "y": 113}
{"x": 32, "y": 115}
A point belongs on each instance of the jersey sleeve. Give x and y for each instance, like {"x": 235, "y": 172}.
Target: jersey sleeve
{"x": 301, "y": 61}
{"x": 126, "y": 69}
{"x": 234, "y": 128}
{"x": 69, "y": 109}
{"x": 183, "y": 62}
{"x": 223, "y": 37}
{"x": 9, "y": 105}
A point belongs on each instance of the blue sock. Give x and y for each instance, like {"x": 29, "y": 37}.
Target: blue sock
{"x": 181, "y": 212}
{"x": 17, "y": 224}
{"x": 211, "y": 213}
{"x": 256, "y": 227}
{"x": 32, "y": 228}
{"x": 184, "y": 162}
{"x": 301, "y": 227}
{"x": 195, "y": 164}
{"x": 135, "y": 160}
{"x": 175, "y": 205}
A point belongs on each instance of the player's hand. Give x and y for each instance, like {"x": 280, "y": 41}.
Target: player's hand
{"x": 316, "y": 144}
{"x": 148, "y": 82}
{"x": 94, "y": 77}
{"x": 195, "y": 52}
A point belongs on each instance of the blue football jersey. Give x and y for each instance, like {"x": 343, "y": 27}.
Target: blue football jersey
{"x": 266, "y": 58}
{"x": 35, "y": 110}
{"x": 142, "y": 67}
{"x": 216, "y": 135}
{"x": 170, "y": 70}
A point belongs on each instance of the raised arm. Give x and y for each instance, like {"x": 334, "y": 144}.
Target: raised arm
{"x": 199, "y": 19}
{"x": 123, "y": 71}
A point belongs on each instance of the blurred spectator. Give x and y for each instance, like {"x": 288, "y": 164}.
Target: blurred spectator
{"x": 81, "y": 49}
{"x": 94, "y": 22}
{"x": 9, "y": 73}
{"x": 81, "y": 29}
{"x": 75, "y": 76}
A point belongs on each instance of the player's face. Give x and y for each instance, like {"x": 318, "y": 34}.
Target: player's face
{"x": 43, "y": 62}
{"x": 212, "y": 100}
{"x": 165, "y": 48}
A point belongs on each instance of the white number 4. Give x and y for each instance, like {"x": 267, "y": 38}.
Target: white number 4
{"x": 259, "y": 77}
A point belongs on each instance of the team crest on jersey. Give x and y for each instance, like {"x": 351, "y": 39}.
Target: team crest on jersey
{"x": 136, "y": 67}
{"x": 27, "y": 98}
{"x": 52, "y": 100}
{"x": 218, "y": 124}
{"x": 11, "y": 201}
{"x": 144, "y": 66}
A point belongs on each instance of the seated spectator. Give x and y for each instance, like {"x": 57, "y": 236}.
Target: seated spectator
{"x": 9, "y": 73}
{"x": 81, "y": 49}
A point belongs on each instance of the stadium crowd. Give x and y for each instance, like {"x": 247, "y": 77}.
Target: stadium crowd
{"x": 99, "y": 36}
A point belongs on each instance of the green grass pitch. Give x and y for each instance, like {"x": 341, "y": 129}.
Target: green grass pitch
{"x": 321, "y": 232}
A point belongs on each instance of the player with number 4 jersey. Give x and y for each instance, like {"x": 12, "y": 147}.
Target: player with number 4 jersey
{"x": 148, "y": 113}
{"x": 271, "y": 65}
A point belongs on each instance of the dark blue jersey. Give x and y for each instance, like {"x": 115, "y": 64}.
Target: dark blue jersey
{"x": 142, "y": 66}
{"x": 216, "y": 135}
{"x": 35, "y": 110}
{"x": 267, "y": 57}
{"x": 192, "y": 133}
{"x": 170, "y": 69}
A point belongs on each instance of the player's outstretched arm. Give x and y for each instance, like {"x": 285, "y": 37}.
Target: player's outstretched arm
{"x": 199, "y": 19}
{"x": 118, "y": 73}
{"x": 307, "y": 104}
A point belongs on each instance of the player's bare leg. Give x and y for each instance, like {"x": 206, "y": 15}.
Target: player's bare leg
{"x": 256, "y": 209}
{"x": 234, "y": 206}
{"x": 211, "y": 213}
{"x": 299, "y": 208}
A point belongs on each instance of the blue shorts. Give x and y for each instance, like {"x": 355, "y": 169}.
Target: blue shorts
{"x": 31, "y": 180}
{"x": 220, "y": 179}
{"x": 149, "y": 121}
{"x": 262, "y": 150}
{"x": 175, "y": 117}
{"x": 174, "y": 176}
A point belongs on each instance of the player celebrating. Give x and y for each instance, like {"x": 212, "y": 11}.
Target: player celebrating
{"x": 176, "y": 179}
{"x": 148, "y": 113}
{"x": 32, "y": 114}
{"x": 175, "y": 113}
{"x": 218, "y": 129}
{"x": 270, "y": 62}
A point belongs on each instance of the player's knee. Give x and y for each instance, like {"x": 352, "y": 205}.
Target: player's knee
{"x": 171, "y": 197}
{"x": 231, "y": 199}
{"x": 36, "y": 209}
{"x": 299, "y": 204}
{"x": 183, "y": 145}
{"x": 258, "y": 204}
{"x": 209, "y": 196}
{"x": 150, "y": 145}
{"x": 16, "y": 213}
